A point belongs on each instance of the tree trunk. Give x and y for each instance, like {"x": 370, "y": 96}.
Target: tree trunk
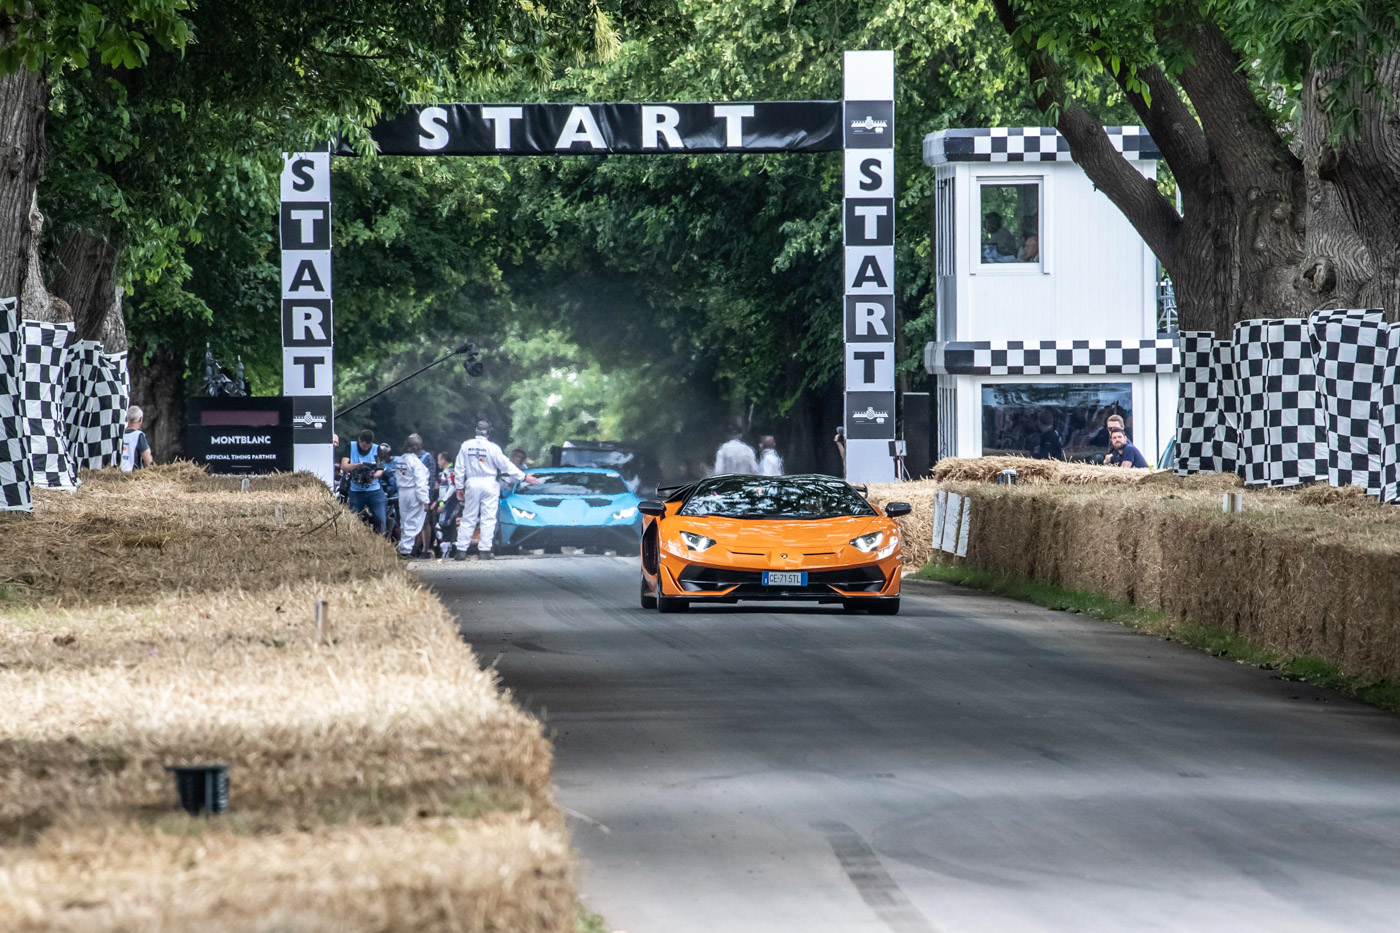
{"x": 24, "y": 98}
{"x": 158, "y": 386}
{"x": 1358, "y": 179}
{"x": 87, "y": 280}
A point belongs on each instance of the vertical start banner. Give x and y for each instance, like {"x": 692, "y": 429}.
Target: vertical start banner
{"x": 307, "y": 319}
{"x": 868, "y": 235}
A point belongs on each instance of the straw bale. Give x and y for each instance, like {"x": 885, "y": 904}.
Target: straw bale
{"x": 1032, "y": 472}
{"x": 497, "y": 875}
{"x": 166, "y": 617}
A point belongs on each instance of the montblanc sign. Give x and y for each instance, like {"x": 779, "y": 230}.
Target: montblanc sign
{"x": 598, "y": 129}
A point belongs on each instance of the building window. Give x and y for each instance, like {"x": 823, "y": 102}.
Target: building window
{"x": 1059, "y": 421}
{"x": 1010, "y": 218}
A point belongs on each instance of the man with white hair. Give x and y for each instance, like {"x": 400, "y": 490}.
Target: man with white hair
{"x": 478, "y": 467}
{"x": 136, "y": 450}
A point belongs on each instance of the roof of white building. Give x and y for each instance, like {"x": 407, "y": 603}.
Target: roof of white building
{"x": 1026, "y": 144}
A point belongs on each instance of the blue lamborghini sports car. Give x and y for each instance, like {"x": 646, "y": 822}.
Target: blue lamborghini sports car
{"x": 587, "y": 507}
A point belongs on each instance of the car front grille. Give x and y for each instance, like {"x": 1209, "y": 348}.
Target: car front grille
{"x": 847, "y": 578}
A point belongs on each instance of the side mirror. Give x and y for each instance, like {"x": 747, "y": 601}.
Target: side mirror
{"x": 652, "y": 507}
{"x": 897, "y": 509}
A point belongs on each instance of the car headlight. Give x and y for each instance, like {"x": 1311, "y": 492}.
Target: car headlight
{"x": 522, "y": 513}
{"x": 868, "y": 543}
{"x": 623, "y": 514}
{"x": 697, "y": 543}
{"x": 888, "y": 549}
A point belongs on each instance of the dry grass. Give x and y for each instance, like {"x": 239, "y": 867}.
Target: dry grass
{"x": 1306, "y": 572}
{"x": 167, "y": 618}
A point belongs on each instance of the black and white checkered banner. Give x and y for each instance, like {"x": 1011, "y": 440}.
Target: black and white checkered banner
{"x": 1028, "y": 144}
{"x": 613, "y": 128}
{"x": 1283, "y": 437}
{"x": 1349, "y": 349}
{"x": 45, "y": 376}
{"x": 1052, "y": 357}
{"x": 96, "y": 394}
{"x": 1390, "y": 417}
{"x": 868, "y": 226}
{"x": 307, "y": 311}
{"x": 16, "y": 470}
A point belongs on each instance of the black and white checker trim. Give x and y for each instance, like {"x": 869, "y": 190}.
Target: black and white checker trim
{"x": 16, "y": 472}
{"x": 1026, "y": 144}
{"x": 1349, "y": 351}
{"x": 1283, "y": 440}
{"x": 1052, "y": 357}
{"x": 44, "y": 378}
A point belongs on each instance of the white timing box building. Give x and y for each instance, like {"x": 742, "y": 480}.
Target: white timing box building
{"x": 1047, "y": 301}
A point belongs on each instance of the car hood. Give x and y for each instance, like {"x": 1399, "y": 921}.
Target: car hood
{"x": 764, "y": 534}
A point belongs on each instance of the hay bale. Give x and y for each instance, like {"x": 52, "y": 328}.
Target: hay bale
{"x": 1031, "y": 472}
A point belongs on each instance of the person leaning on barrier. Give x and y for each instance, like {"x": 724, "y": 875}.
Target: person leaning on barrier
{"x": 366, "y": 497}
{"x": 1124, "y": 454}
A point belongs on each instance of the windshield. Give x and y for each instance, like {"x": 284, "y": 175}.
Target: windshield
{"x": 776, "y": 497}
{"x": 576, "y": 484}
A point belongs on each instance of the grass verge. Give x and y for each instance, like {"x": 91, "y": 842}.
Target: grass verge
{"x": 1212, "y": 639}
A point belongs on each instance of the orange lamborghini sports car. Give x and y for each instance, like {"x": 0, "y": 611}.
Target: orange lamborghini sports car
{"x": 732, "y": 537}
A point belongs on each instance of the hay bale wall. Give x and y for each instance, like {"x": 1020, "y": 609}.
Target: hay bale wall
{"x": 380, "y": 778}
{"x": 1310, "y": 572}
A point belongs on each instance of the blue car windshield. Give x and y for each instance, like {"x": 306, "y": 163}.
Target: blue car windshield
{"x": 776, "y": 497}
{"x": 575, "y": 484}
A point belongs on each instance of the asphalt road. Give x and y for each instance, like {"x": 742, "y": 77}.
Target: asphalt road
{"x": 971, "y": 764}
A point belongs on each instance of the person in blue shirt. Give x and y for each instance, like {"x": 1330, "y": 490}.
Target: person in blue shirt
{"x": 1123, "y": 453}
{"x": 366, "y": 497}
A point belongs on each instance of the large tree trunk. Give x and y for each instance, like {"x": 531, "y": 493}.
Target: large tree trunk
{"x": 86, "y": 278}
{"x": 24, "y": 98}
{"x": 158, "y": 386}
{"x": 1363, "y": 172}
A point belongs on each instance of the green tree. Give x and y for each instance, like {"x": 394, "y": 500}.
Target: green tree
{"x": 1277, "y": 120}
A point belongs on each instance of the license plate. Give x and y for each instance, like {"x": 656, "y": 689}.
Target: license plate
{"x": 784, "y": 578}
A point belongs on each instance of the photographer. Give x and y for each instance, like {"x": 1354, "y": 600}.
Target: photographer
{"x": 366, "y": 497}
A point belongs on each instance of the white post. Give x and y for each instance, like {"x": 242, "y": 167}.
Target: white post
{"x": 869, "y": 205}
{"x": 307, "y": 323}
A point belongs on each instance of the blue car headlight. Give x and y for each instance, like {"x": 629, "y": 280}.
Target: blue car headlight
{"x": 525, "y": 514}
{"x": 621, "y": 515}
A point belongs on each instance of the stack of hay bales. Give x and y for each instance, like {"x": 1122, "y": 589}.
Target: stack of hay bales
{"x": 380, "y": 779}
{"x": 1308, "y": 571}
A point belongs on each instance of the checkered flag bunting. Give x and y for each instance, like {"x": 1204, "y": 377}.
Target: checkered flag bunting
{"x": 16, "y": 472}
{"x": 45, "y": 378}
{"x": 1198, "y": 405}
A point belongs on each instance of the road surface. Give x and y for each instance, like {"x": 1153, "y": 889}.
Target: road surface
{"x": 971, "y": 764}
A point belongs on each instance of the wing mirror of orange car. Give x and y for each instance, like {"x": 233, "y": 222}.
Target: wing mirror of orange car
{"x": 652, "y": 507}
{"x": 896, "y": 509}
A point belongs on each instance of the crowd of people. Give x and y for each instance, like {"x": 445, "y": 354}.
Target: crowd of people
{"x": 1053, "y": 433}
{"x": 432, "y": 504}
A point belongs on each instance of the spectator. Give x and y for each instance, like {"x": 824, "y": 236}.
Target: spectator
{"x": 1047, "y": 444}
{"x": 448, "y": 507}
{"x": 1102, "y": 438}
{"x": 1030, "y": 243}
{"x": 136, "y": 450}
{"x": 411, "y": 477}
{"x": 769, "y": 463}
{"x": 366, "y": 497}
{"x": 999, "y": 244}
{"x": 840, "y": 440}
{"x": 1123, "y": 454}
{"x": 734, "y": 456}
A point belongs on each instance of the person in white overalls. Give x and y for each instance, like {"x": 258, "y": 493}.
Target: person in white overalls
{"x": 479, "y": 464}
{"x": 412, "y": 478}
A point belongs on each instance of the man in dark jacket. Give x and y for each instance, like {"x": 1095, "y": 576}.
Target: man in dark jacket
{"x": 1124, "y": 454}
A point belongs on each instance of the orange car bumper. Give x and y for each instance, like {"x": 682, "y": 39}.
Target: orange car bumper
{"x": 729, "y": 582}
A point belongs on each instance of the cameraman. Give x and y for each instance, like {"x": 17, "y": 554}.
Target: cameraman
{"x": 367, "y": 497}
